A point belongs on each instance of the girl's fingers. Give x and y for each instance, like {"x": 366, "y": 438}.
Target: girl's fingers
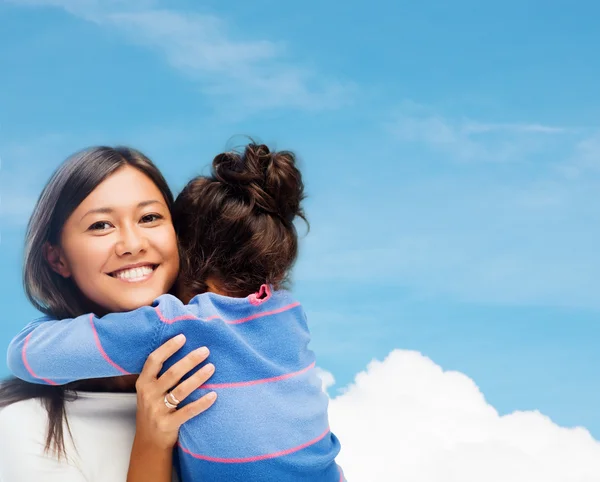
{"x": 155, "y": 360}
{"x": 172, "y": 376}
{"x": 193, "y": 409}
{"x": 185, "y": 388}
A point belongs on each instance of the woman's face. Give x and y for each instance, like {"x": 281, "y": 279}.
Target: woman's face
{"x": 119, "y": 245}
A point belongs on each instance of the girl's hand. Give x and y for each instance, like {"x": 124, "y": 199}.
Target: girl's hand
{"x": 156, "y": 424}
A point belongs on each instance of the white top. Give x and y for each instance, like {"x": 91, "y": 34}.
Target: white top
{"x": 103, "y": 428}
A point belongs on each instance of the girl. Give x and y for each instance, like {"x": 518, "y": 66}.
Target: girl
{"x": 90, "y": 431}
{"x": 239, "y": 243}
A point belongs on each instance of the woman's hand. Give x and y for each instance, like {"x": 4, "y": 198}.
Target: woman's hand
{"x": 157, "y": 425}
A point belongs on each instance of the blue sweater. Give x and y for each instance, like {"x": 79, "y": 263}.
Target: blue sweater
{"x": 269, "y": 422}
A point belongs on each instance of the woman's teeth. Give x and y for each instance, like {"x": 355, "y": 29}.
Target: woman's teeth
{"x": 134, "y": 274}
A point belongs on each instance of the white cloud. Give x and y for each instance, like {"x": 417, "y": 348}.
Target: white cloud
{"x": 243, "y": 74}
{"x": 407, "y": 419}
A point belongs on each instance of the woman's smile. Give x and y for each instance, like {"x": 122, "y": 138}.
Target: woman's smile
{"x": 135, "y": 273}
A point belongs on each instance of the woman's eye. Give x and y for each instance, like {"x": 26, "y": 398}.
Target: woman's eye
{"x": 100, "y": 226}
{"x": 150, "y": 218}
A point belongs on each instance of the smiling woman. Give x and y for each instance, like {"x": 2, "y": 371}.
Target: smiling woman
{"x": 121, "y": 255}
{"x": 100, "y": 239}
{"x": 237, "y": 232}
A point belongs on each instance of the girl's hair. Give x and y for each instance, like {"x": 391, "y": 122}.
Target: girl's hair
{"x": 49, "y": 292}
{"x": 236, "y": 226}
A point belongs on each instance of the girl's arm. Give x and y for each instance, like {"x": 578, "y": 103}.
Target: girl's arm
{"x": 57, "y": 352}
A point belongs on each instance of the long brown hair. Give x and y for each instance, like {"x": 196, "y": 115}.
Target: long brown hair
{"x": 49, "y": 292}
{"x": 236, "y": 226}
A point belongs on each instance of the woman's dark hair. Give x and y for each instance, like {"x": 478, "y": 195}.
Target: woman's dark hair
{"x": 236, "y": 226}
{"x": 49, "y": 292}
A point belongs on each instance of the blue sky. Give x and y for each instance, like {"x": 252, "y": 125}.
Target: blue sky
{"x": 451, "y": 153}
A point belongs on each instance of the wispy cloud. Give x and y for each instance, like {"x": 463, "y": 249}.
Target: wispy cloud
{"x": 585, "y": 159}
{"x": 513, "y": 232}
{"x": 247, "y": 73}
{"x": 467, "y": 139}
{"x": 473, "y": 127}
{"x": 26, "y": 166}
{"x": 15, "y": 208}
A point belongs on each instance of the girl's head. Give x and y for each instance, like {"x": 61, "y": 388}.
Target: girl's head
{"x": 101, "y": 236}
{"x": 236, "y": 227}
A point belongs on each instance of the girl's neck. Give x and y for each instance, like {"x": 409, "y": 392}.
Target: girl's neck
{"x": 213, "y": 286}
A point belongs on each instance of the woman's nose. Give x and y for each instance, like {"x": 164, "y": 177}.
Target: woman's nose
{"x": 132, "y": 241}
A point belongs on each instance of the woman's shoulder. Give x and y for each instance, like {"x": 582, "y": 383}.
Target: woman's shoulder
{"x": 101, "y": 427}
{"x": 23, "y": 415}
{"x": 23, "y": 426}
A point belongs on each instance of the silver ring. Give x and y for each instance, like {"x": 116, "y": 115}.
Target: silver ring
{"x": 173, "y": 399}
{"x": 169, "y": 404}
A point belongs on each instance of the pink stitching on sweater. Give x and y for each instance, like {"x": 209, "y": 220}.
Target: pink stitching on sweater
{"x": 24, "y": 358}
{"x": 170, "y": 321}
{"x": 256, "y": 458}
{"x": 101, "y": 350}
{"x": 264, "y": 313}
{"x": 212, "y": 386}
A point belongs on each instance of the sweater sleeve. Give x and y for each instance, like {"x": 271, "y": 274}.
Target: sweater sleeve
{"x": 56, "y": 352}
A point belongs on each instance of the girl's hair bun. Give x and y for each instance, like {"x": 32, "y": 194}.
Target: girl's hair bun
{"x": 270, "y": 181}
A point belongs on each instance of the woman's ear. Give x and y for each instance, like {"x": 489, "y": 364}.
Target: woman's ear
{"x": 56, "y": 260}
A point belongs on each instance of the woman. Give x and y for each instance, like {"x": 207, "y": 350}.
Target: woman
{"x": 104, "y": 212}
